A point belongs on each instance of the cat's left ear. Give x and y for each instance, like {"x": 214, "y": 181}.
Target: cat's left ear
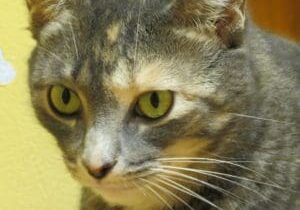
{"x": 224, "y": 19}
{"x": 42, "y": 12}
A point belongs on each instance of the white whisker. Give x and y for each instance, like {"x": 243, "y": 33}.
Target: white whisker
{"x": 159, "y": 196}
{"x": 198, "y": 181}
{"x": 219, "y": 177}
{"x": 140, "y": 189}
{"x": 169, "y": 192}
{"x": 52, "y": 54}
{"x": 74, "y": 41}
{"x": 137, "y": 33}
{"x": 226, "y": 175}
{"x": 187, "y": 191}
{"x": 261, "y": 118}
{"x": 210, "y": 160}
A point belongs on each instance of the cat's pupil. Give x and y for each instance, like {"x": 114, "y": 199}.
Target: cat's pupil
{"x": 155, "y": 100}
{"x": 66, "y": 96}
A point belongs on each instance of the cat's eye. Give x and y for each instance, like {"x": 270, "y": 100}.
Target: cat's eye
{"x": 64, "y": 101}
{"x": 154, "y": 105}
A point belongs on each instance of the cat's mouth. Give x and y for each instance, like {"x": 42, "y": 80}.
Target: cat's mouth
{"x": 131, "y": 181}
{"x": 114, "y": 183}
{"x": 117, "y": 184}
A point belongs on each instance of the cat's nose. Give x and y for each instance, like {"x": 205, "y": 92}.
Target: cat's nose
{"x": 100, "y": 172}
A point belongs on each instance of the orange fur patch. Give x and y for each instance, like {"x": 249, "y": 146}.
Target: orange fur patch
{"x": 188, "y": 147}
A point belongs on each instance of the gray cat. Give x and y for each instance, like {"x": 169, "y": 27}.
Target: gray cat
{"x": 168, "y": 104}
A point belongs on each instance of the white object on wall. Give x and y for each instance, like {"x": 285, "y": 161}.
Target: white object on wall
{"x": 7, "y": 72}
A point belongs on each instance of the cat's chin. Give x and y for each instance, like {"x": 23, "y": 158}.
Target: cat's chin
{"x": 129, "y": 196}
{"x": 116, "y": 188}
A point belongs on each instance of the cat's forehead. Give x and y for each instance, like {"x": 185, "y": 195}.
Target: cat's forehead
{"x": 138, "y": 11}
{"x": 131, "y": 7}
{"x": 126, "y": 81}
{"x": 126, "y": 84}
{"x": 122, "y": 46}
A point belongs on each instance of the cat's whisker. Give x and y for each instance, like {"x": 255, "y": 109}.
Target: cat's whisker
{"x": 137, "y": 32}
{"x": 264, "y": 150}
{"x": 187, "y": 191}
{"x": 173, "y": 175}
{"x": 184, "y": 179}
{"x": 52, "y": 54}
{"x": 205, "y": 172}
{"x": 202, "y": 160}
{"x": 258, "y": 174}
{"x": 164, "y": 201}
{"x": 221, "y": 178}
{"x": 144, "y": 174}
{"x": 74, "y": 40}
{"x": 245, "y": 187}
{"x": 248, "y": 145}
{"x": 210, "y": 160}
{"x": 261, "y": 118}
{"x": 168, "y": 192}
{"x": 140, "y": 188}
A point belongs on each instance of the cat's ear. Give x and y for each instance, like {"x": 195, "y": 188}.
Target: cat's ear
{"x": 224, "y": 19}
{"x": 42, "y": 12}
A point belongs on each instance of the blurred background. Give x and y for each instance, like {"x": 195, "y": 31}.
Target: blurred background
{"x": 279, "y": 16}
{"x": 32, "y": 174}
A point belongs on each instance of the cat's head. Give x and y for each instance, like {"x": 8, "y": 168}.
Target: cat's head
{"x": 122, "y": 83}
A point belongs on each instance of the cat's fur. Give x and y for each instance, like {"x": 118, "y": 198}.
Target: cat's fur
{"x": 236, "y": 101}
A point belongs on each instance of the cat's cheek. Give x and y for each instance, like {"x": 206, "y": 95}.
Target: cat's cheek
{"x": 218, "y": 122}
{"x": 69, "y": 136}
{"x": 187, "y": 147}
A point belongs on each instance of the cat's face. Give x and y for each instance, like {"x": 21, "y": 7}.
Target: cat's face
{"x": 121, "y": 84}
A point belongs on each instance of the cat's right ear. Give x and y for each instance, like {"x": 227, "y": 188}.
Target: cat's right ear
{"x": 42, "y": 12}
{"x": 222, "y": 20}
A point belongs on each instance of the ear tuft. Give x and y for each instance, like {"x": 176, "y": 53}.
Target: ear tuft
{"x": 42, "y": 12}
{"x": 223, "y": 18}
{"x": 230, "y": 28}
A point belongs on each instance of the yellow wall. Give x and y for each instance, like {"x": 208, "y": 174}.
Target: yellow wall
{"x": 32, "y": 175}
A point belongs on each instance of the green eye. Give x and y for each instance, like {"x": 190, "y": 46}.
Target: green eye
{"x": 64, "y": 101}
{"x": 154, "y": 105}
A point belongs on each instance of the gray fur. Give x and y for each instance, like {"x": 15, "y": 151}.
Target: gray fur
{"x": 258, "y": 77}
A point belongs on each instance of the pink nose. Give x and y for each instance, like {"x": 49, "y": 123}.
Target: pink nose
{"x": 100, "y": 172}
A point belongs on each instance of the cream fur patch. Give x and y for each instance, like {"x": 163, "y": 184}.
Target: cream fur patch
{"x": 113, "y": 32}
{"x": 128, "y": 85}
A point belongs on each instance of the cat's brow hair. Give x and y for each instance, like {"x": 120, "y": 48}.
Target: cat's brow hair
{"x": 136, "y": 50}
{"x": 74, "y": 41}
{"x": 53, "y": 28}
{"x": 127, "y": 84}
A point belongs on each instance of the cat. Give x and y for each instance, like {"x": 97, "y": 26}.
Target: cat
{"x": 168, "y": 104}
